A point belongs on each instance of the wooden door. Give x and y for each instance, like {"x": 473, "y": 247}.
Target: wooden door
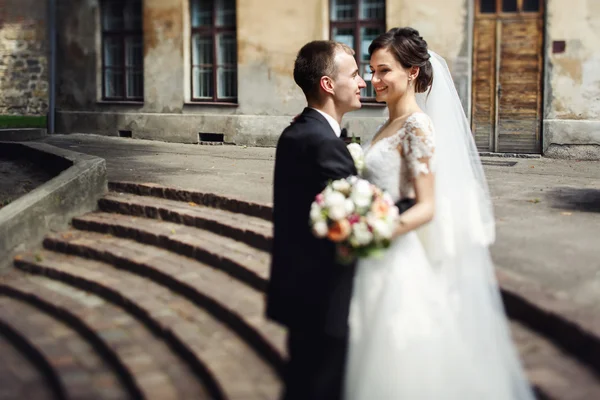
{"x": 507, "y": 75}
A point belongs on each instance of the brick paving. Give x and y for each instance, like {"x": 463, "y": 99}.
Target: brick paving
{"x": 227, "y": 299}
{"x": 253, "y": 231}
{"x": 20, "y": 378}
{"x": 155, "y": 372}
{"x": 81, "y": 372}
{"x": 167, "y": 294}
{"x": 238, "y": 259}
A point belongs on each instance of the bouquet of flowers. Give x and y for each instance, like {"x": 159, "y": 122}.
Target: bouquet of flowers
{"x": 355, "y": 214}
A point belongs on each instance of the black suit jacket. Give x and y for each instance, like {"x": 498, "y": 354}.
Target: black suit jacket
{"x": 308, "y": 290}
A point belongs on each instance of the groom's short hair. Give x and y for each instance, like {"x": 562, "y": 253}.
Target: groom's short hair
{"x": 315, "y": 60}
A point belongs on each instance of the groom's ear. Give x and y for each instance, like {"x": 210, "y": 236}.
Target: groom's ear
{"x": 326, "y": 84}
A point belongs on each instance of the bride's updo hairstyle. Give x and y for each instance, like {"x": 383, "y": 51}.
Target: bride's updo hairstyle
{"x": 410, "y": 49}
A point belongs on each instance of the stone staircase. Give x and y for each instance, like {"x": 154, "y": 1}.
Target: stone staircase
{"x": 160, "y": 295}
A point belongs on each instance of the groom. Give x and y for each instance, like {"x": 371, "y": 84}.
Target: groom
{"x": 309, "y": 292}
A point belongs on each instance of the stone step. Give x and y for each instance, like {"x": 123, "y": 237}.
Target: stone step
{"x": 253, "y": 231}
{"x": 558, "y": 376}
{"x": 239, "y": 260}
{"x": 24, "y": 371}
{"x": 153, "y": 367}
{"x": 555, "y": 373}
{"x": 231, "y": 301}
{"x": 232, "y": 363}
{"x": 82, "y": 363}
{"x": 213, "y": 200}
{"x": 549, "y": 314}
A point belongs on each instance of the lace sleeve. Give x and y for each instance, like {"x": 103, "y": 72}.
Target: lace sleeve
{"x": 418, "y": 145}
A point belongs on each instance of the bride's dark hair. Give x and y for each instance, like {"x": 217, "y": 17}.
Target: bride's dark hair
{"x": 410, "y": 49}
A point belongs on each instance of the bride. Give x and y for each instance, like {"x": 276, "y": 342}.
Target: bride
{"x": 426, "y": 319}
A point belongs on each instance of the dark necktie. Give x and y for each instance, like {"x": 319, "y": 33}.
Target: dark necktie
{"x": 344, "y": 133}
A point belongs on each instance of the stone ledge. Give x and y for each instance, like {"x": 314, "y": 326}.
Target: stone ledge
{"x": 586, "y": 152}
{"x": 572, "y": 139}
{"x": 79, "y": 182}
{"x": 21, "y": 134}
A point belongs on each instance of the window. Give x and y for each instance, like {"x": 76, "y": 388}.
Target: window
{"x": 357, "y": 23}
{"x": 531, "y": 5}
{"x": 122, "y": 50}
{"x": 214, "y": 51}
{"x": 488, "y": 6}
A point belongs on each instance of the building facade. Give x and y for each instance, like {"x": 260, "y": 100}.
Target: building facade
{"x": 23, "y": 58}
{"x": 180, "y": 70}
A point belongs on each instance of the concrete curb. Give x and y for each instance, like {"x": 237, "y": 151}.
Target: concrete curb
{"x": 79, "y": 182}
{"x": 21, "y": 134}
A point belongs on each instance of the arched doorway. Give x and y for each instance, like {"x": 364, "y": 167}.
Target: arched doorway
{"x": 507, "y": 75}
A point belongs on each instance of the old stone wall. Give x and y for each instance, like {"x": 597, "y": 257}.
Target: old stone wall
{"x": 23, "y": 57}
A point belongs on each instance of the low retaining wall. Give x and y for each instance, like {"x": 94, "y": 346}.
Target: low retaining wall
{"x": 21, "y": 134}
{"x": 79, "y": 182}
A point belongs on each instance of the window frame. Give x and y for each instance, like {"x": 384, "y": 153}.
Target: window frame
{"x": 123, "y": 34}
{"x": 500, "y": 12}
{"x": 356, "y": 24}
{"x": 213, "y": 30}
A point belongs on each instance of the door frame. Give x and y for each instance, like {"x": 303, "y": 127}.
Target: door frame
{"x": 473, "y": 7}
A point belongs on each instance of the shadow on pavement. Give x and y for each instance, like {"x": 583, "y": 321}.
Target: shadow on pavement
{"x": 587, "y": 200}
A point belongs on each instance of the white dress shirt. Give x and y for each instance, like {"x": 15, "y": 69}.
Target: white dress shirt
{"x": 332, "y": 122}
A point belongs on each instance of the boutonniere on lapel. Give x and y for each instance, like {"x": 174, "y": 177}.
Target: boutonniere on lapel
{"x": 358, "y": 155}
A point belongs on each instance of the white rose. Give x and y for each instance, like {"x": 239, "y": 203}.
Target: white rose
{"x": 360, "y": 166}
{"x": 383, "y": 229}
{"x": 357, "y": 155}
{"x": 336, "y": 205}
{"x": 341, "y": 185}
{"x": 361, "y": 235}
{"x": 355, "y": 150}
{"x": 349, "y": 204}
{"x": 362, "y": 194}
{"x": 371, "y": 218}
{"x": 320, "y": 229}
{"x": 334, "y": 198}
{"x": 338, "y": 211}
{"x": 316, "y": 213}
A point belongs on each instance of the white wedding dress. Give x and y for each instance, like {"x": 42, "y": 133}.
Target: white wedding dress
{"x": 415, "y": 333}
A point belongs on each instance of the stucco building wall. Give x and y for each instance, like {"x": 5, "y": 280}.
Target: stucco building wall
{"x": 268, "y": 36}
{"x": 572, "y": 80}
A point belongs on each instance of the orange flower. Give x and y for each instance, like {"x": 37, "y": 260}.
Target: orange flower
{"x": 380, "y": 207}
{"x": 339, "y": 231}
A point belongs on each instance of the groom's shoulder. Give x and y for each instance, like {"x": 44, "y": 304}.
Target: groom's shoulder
{"x": 302, "y": 129}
